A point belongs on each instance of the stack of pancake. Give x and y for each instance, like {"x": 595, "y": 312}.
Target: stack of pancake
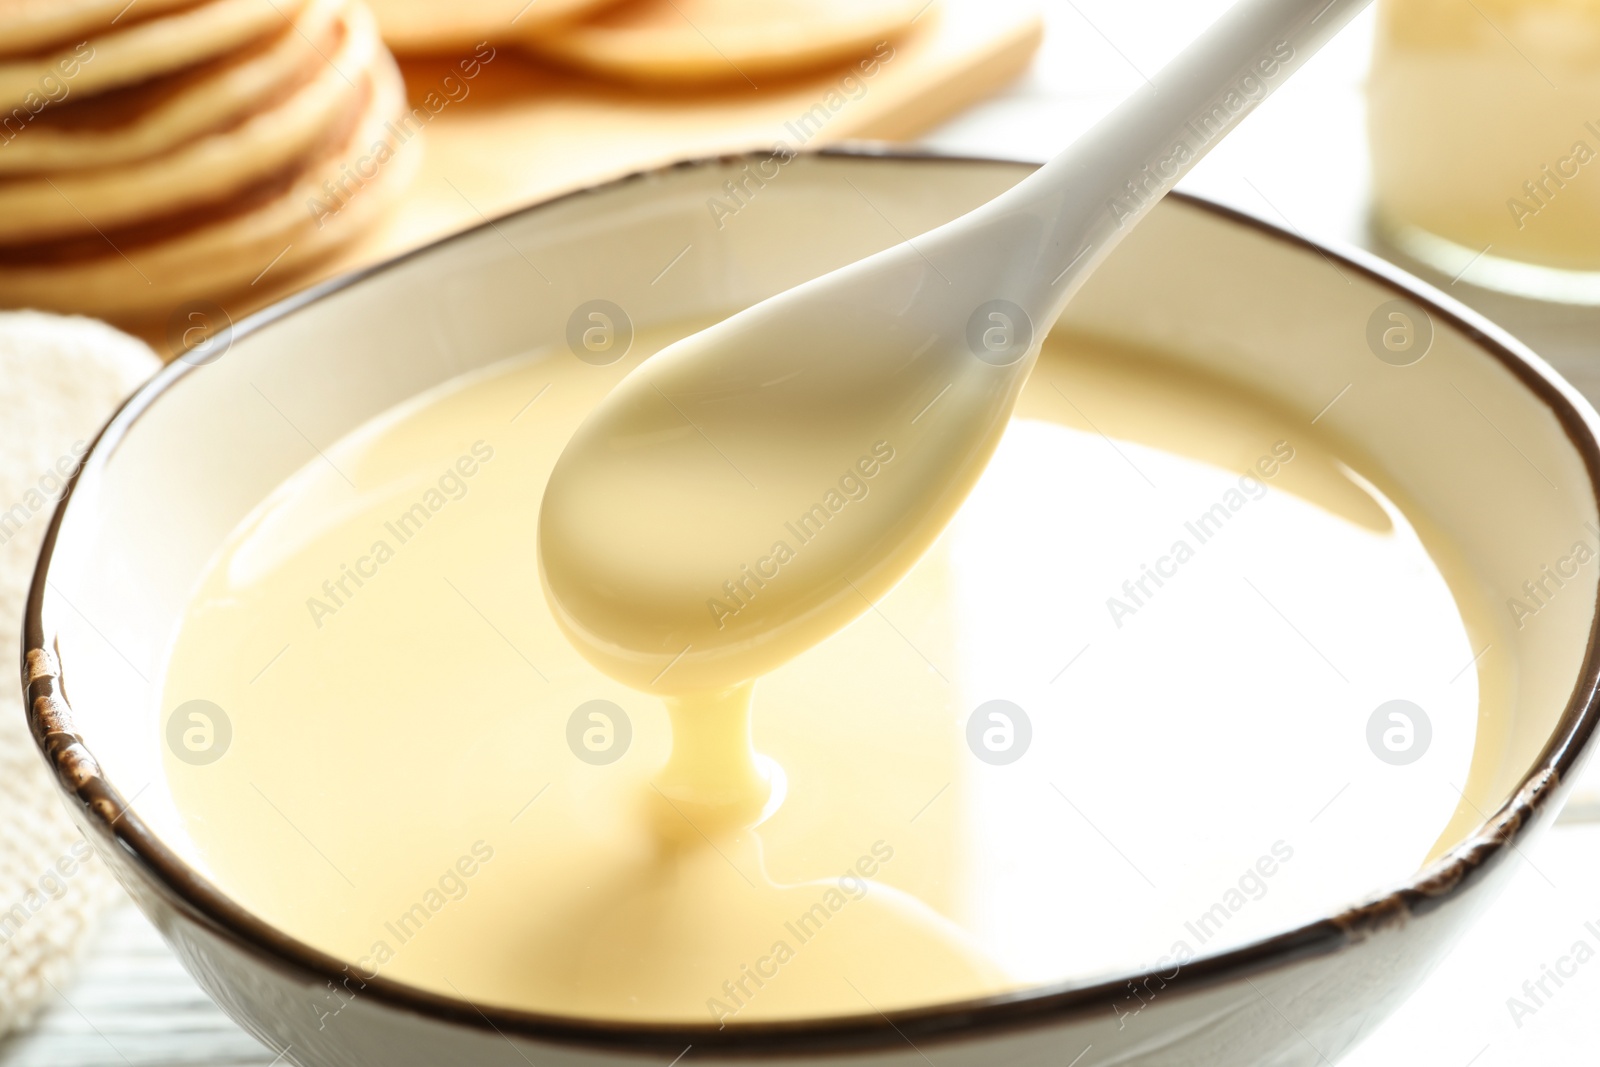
{"x": 164, "y": 151}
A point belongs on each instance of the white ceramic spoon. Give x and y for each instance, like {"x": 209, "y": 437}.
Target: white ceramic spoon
{"x": 749, "y": 490}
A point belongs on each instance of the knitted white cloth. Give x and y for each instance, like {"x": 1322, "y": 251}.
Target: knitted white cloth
{"x": 60, "y": 378}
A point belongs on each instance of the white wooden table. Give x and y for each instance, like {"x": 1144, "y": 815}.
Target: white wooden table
{"x": 1300, "y": 162}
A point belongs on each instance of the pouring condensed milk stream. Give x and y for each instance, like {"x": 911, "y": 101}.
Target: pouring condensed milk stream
{"x": 751, "y": 489}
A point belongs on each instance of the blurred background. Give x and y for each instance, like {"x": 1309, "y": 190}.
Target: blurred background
{"x": 238, "y": 151}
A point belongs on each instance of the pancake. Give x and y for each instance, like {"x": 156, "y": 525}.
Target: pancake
{"x": 158, "y": 115}
{"x": 123, "y": 56}
{"x": 430, "y": 26}
{"x": 28, "y": 26}
{"x": 145, "y": 272}
{"x": 707, "y": 41}
{"x": 204, "y": 171}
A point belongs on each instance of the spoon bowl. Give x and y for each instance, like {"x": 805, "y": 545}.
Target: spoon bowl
{"x": 674, "y": 538}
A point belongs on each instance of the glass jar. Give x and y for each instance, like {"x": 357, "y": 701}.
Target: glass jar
{"x": 1484, "y": 123}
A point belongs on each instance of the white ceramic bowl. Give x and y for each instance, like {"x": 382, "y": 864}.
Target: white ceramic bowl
{"x": 1510, "y": 478}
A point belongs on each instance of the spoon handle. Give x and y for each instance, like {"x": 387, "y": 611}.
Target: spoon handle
{"x": 1080, "y": 204}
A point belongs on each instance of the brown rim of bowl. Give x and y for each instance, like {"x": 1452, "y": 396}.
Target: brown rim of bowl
{"x": 50, "y": 718}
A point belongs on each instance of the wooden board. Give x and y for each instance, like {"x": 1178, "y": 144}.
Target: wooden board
{"x": 523, "y": 131}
